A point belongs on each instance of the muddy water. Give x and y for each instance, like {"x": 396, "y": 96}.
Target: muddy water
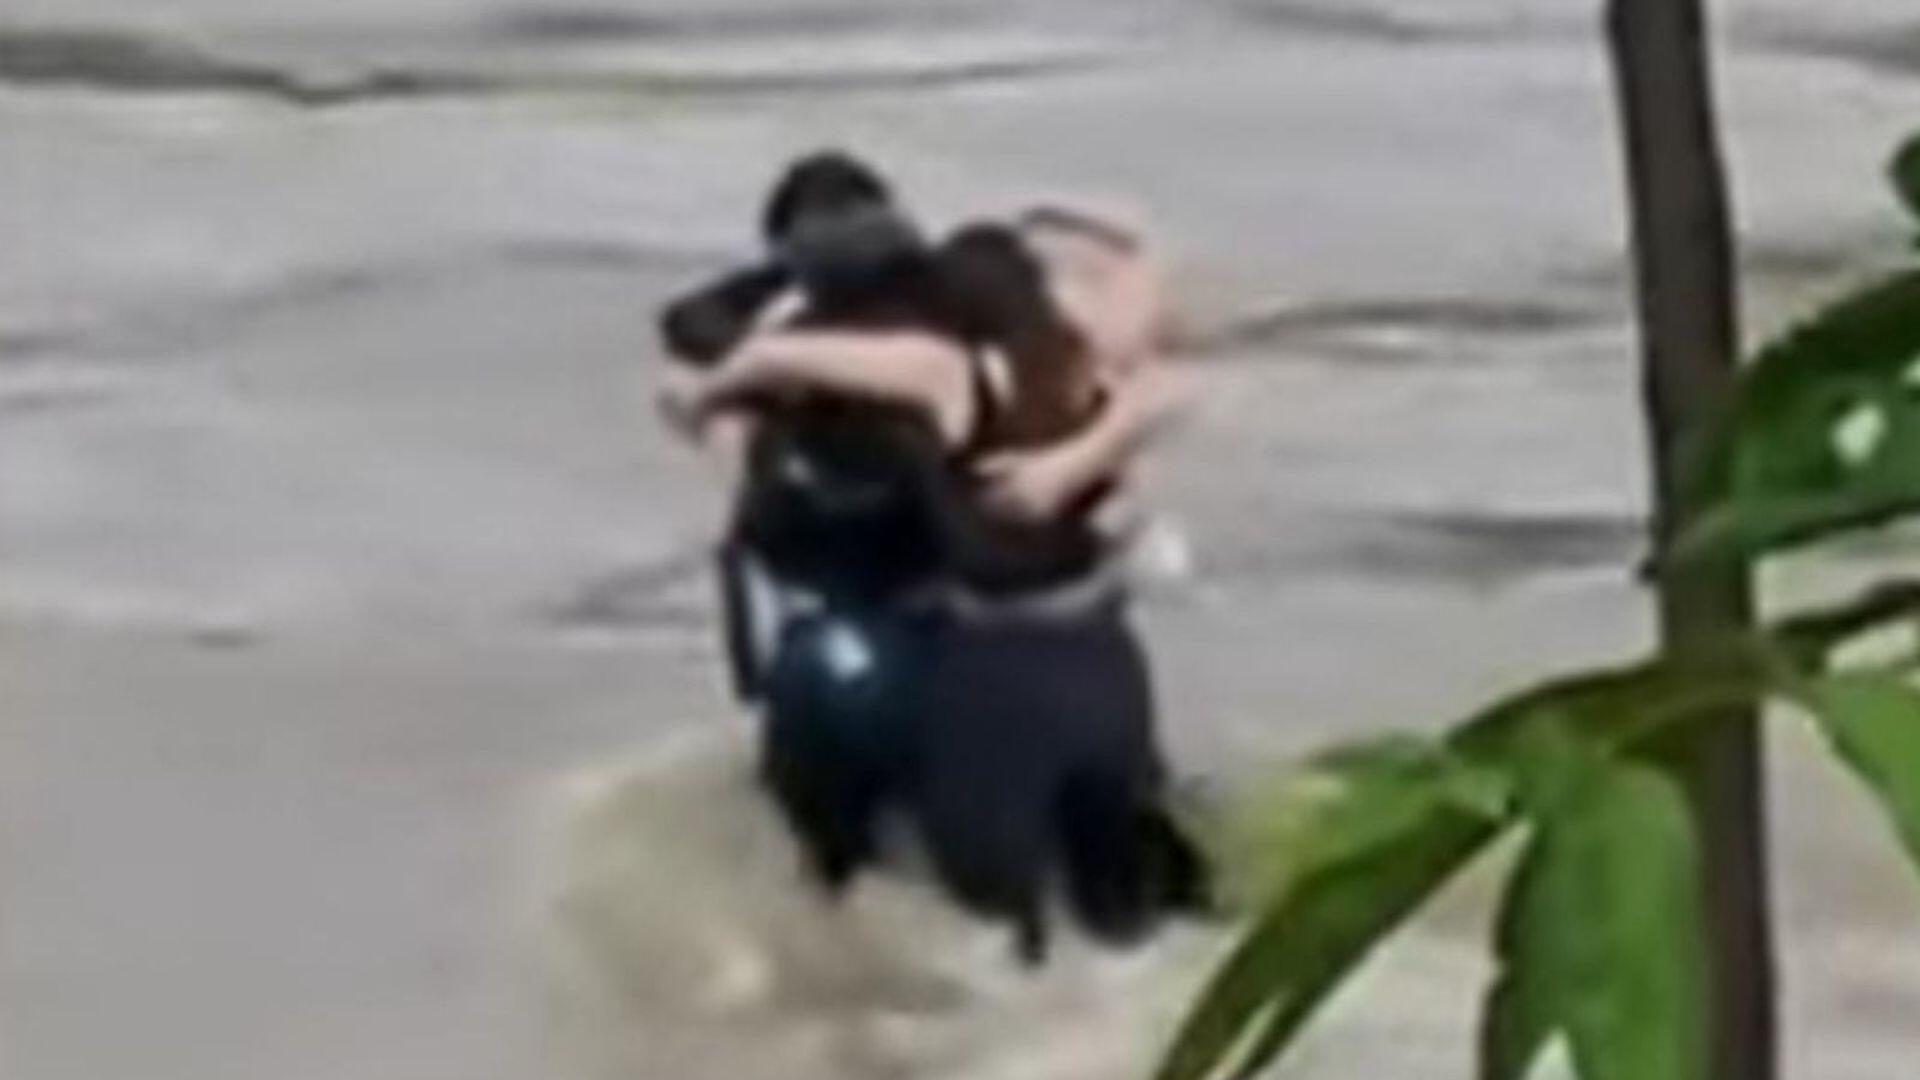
{"x": 361, "y": 715}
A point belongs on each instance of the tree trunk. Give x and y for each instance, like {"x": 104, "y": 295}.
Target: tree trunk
{"x": 1683, "y": 258}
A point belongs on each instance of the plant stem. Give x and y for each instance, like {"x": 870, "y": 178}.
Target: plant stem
{"x": 1683, "y": 257}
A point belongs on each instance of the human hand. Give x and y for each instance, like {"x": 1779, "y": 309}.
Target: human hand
{"x": 1029, "y": 485}
{"x": 682, "y": 403}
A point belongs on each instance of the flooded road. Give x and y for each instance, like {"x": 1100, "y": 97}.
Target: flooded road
{"x": 359, "y": 711}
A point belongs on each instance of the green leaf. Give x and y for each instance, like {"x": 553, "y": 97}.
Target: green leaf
{"x": 1400, "y": 827}
{"x": 1356, "y": 841}
{"x": 1347, "y": 799}
{"x": 1873, "y": 722}
{"x": 1550, "y": 762}
{"x": 1825, "y": 436}
{"x": 1601, "y": 937}
{"x": 1615, "y": 708}
{"x": 1516, "y": 1022}
{"x": 1905, "y": 173}
{"x": 1809, "y": 639}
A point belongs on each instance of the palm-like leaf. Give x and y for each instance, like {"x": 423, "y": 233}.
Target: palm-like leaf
{"x": 1825, "y": 437}
{"x": 1599, "y": 939}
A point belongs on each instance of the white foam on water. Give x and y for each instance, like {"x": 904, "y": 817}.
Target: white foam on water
{"x": 684, "y": 941}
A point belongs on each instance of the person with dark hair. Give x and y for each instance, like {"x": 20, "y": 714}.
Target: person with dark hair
{"x": 1103, "y": 340}
{"x": 989, "y": 389}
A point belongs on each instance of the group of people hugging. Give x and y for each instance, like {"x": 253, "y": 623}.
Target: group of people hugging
{"x": 921, "y": 577}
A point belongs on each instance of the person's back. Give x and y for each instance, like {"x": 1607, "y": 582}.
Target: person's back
{"x": 819, "y": 457}
{"x": 998, "y": 291}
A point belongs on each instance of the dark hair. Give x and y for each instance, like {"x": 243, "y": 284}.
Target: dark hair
{"x": 823, "y": 182}
{"x": 997, "y": 291}
{"x": 994, "y": 284}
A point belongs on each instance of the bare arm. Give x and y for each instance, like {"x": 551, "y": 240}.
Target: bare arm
{"x": 1115, "y": 294}
{"x": 1139, "y": 408}
{"x": 1039, "y": 484}
{"x": 908, "y": 368}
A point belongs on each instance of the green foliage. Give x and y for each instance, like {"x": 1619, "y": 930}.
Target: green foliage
{"x": 1599, "y": 938}
{"x": 1826, "y": 436}
{"x": 1352, "y": 798}
{"x": 1390, "y": 823}
{"x": 1381, "y": 828}
{"x": 1905, "y": 174}
{"x": 1350, "y": 846}
{"x": 1873, "y": 721}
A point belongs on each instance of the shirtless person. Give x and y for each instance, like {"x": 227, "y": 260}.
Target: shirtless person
{"x": 1054, "y": 713}
{"x": 1100, "y": 278}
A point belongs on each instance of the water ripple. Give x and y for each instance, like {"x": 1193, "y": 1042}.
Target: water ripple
{"x": 128, "y": 62}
